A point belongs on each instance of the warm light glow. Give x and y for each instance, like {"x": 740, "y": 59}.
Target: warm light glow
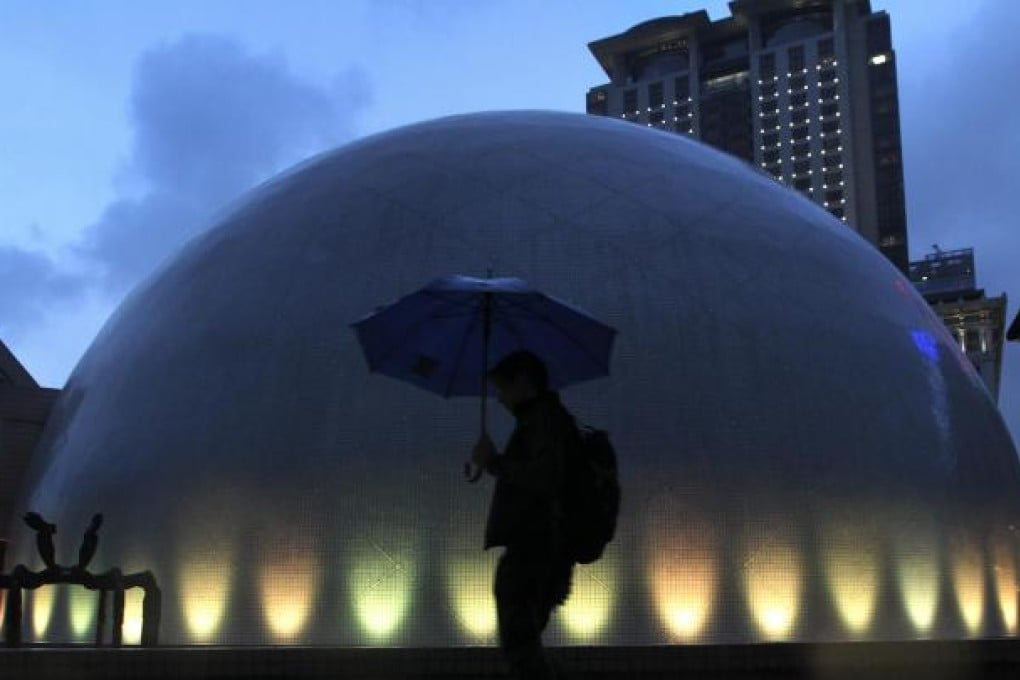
{"x": 773, "y": 576}
{"x": 205, "y": 591}
{"x": 968, "y": 582}
{"x": 381, "y": 585}
{"x": 1005, "y": 580}
{"x": 208, "y": 523}
{"x": 683, "y": 565}
{"x": 288, "y": 582}
{"x": 132, "y": 630}
{"x": 82, "y": 605}
{"x": 586, "y": 613}
{"x": 42, "y": 610}
{"x": 917, "y": 573}
{"x": 852, "y": 574}
{"x": 469, "y": 583}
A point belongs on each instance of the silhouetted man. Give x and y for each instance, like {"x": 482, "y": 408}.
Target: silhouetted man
{"x": 533, "y": 574}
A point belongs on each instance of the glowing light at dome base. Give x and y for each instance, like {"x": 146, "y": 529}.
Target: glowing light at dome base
{"x": 773, "y": 576}
{"x": 83, "y": 605}
{"x": 683, "y": 585}
{"x": 132, "y": 630}
{"x": 968, "y": 582}
{"x": 287, "y": 584}
{"x": 470, "y": 586}
{"x": 381, "y": 585}
{"x": 852, "y": 574}
{"x": 382, "y": 606}
{"x": 205, "y": 592}
{"x": 1004, "y": 570}
{"x": 42, "y": 611}
{"x": 586, "y": 612}
{"x": 917, "y": 572}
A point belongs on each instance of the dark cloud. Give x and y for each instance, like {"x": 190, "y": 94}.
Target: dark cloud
{"x": 209, "y": 122}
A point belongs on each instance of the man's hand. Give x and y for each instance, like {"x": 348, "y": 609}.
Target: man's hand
{"x": 483, "y": 452}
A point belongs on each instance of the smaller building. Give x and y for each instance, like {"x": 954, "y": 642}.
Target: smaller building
{"x": 24, "y": 408}
{"x": 947, "y": 280}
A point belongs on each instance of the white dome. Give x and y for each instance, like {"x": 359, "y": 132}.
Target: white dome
{"x": 805, "y": 453}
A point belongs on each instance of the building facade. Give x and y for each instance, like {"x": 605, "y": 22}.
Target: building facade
{"x": 24, "y": 408}
{"x": 805, "y": 90}
{"x": 947, "y": 280}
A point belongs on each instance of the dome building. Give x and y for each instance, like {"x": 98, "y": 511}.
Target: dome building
{"x": 805, "y": 454}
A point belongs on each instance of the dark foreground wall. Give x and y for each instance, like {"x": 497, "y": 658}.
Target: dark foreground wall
{"x": 975, "y": 660}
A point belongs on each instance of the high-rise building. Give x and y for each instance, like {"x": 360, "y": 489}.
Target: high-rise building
{"x": 948, "y": 282}
{"x": 804, "y": 89}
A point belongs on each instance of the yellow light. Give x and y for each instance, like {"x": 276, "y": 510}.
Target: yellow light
{"x": 773, "y": 576}
{"x": 852, "y": 573}
{"x": 917, "y": 572}
{"x": 42, "y": 611}
{"x": 381, "y": 585}
{"x": 288, "y": 582}
{"x": 586, "y": 612}
{"x": 968, "y": 582}
{"x": 205, "y": 591}
{"x": 132, "y": 629}
{"x": 83, "y": 605}
{"x": 1005, "y": 580}
{"x": 684, "y": 581}
{"x": 208, "y": 524}
{"x": 469, "y": 583}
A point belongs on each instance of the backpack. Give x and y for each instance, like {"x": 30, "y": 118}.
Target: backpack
{"x": 591, "y": 497}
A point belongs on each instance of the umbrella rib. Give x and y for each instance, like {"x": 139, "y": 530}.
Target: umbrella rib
{"x": 569, "y": 336}
{"x": 390, "y": 351}
{"x": 505, "y": 322}
{"x": 460, "y": 355}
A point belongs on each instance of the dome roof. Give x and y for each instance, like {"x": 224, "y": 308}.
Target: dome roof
{"x": 805, "y": 453}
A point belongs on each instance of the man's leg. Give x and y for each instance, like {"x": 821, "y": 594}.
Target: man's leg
{"x": 522, "y": 612}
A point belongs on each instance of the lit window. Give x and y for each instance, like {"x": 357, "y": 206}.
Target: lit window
{"x": 879, "y": 59}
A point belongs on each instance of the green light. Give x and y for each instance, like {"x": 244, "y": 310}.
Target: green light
{"x": 381, "y": 589}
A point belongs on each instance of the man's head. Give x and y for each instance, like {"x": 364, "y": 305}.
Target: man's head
{"x": 519, "y": 376}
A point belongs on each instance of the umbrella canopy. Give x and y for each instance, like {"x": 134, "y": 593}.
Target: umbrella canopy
{"x": 445, "y": 337}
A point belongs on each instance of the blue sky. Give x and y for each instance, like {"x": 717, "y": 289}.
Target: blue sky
{"x": 124, "y": 126}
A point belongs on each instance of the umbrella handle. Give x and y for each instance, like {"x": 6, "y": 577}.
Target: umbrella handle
{"x": 486, "y": 334}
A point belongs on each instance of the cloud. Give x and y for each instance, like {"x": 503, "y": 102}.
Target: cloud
{"x": 29, "y": 282}
{"x": 209, "y": 121}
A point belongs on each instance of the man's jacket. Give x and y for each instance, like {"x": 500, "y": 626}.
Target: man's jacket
{"x": 530, "y": 473}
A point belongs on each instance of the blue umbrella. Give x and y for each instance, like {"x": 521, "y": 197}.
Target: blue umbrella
{"x": 445, "y": 337}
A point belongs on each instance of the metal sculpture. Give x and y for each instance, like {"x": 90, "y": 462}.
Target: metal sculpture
{"x": 112, "y": 581}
